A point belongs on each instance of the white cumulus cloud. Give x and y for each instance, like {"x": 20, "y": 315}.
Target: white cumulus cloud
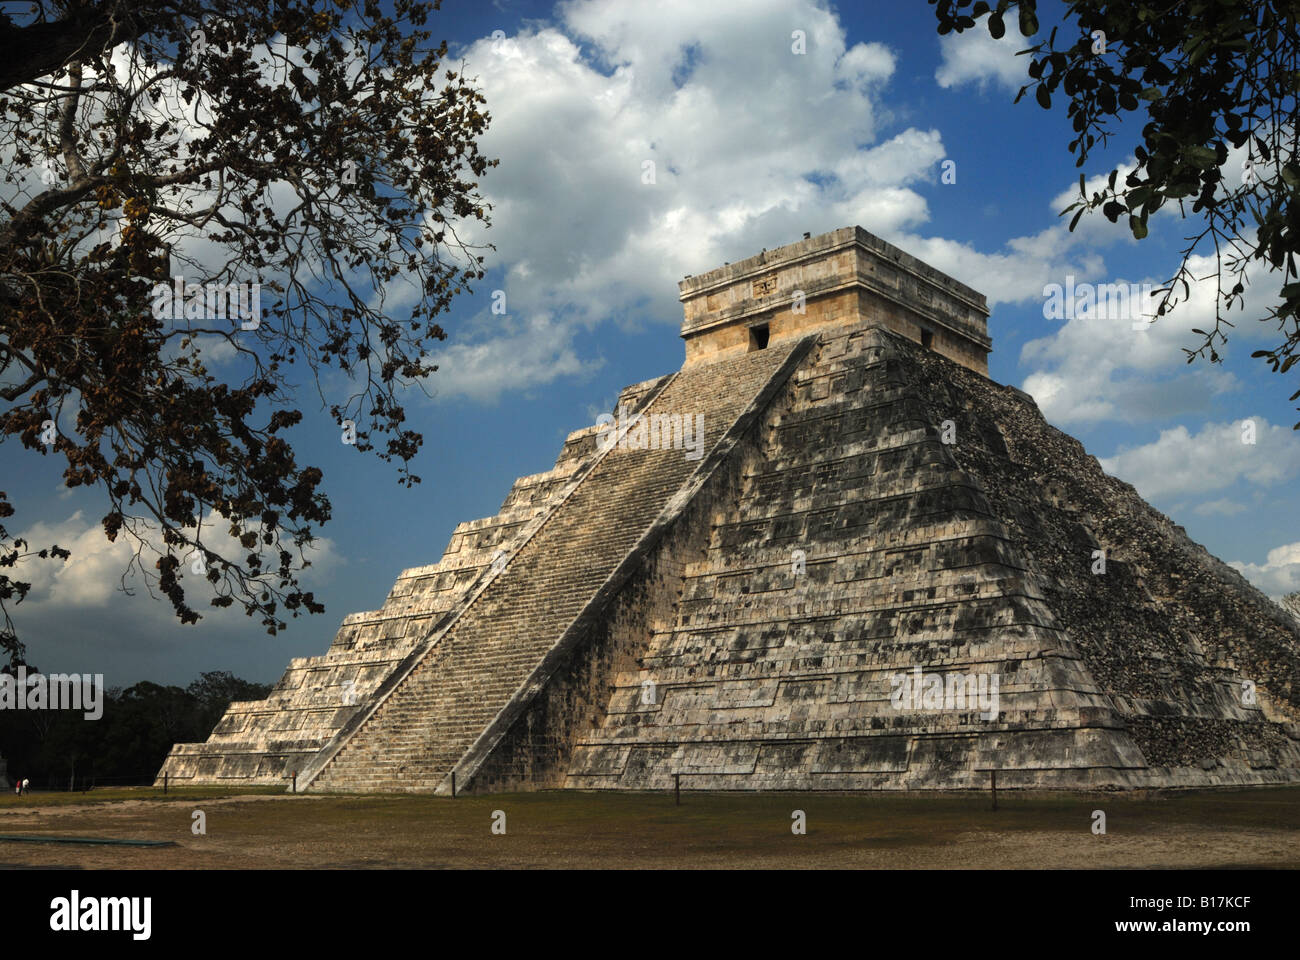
{"x": 1097, "y": 367}
{"x": 588, "y": 108}
{"x": 973, "y": 56}
{"x": 711, "y": 103}
{"x": 1278, "y": 575}
{"x": 96, "y": 573}
{"x": 1214, "y": 458}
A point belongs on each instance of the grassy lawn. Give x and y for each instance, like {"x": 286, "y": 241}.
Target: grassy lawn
{"x": 267, "y": 828}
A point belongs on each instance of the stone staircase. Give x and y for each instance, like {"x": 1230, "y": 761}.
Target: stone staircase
{"x": 461, "y": 694}
{"x": 266, "y": 741}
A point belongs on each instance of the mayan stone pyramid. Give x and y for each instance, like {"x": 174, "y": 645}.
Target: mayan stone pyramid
{"x": 828, "y": 553}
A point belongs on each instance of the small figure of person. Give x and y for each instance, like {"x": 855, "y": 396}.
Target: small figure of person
{"x": 25, "y": 783}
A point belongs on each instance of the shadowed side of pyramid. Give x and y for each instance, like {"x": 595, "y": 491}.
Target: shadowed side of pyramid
{"x": 897, "y": 518}
{"x": 1203, "y": 669}
{"x": 855, "y": 573}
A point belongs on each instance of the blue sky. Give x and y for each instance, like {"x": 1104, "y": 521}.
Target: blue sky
{"x": 753, "y": 145}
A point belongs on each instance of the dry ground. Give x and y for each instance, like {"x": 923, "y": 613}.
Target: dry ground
{"x": 1247, "y": 828}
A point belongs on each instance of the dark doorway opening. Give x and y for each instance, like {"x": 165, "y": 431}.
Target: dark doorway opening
{"x": 927, "y": 339}
{"x": 758, "y": 337}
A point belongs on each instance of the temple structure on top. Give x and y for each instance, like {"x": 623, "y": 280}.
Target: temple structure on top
{"x": 869, "y": 567}
{"x": 844, "y": 278}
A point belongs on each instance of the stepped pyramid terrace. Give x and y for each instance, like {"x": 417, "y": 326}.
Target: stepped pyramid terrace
{"x": 828, "y": 553}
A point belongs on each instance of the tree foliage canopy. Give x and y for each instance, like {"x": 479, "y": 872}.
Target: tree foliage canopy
{"x": 1217, "y": 81}
{"x": 316, "y": 158}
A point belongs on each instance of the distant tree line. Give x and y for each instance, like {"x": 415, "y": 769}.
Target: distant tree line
{"x": 62, "y": 750}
